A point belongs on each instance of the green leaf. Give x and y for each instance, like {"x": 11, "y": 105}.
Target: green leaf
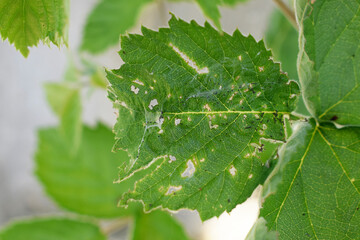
{"x": 82, "y": 181}
{"x": 51, "y": 228}
{"x": 260, "y": 232}
{"x": 282, "y": 38}
{"x": 314, "y": 192}
{"x": 329, "y": 59}
{"x": 211, "y": 8}
{"x": 25, "y": 23}
{"x": 65, "y": 101}
{"x": 196, "y": 103}
{"x": 107, "y": 21}
{"x": 157, "y": 225}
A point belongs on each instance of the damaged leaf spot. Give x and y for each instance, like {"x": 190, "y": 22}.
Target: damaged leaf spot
{"x": 190, "y": 62}
{"x": 177, "y": 121}
{"x": 172, "y": 159}
{"x": 135, "y": 89}
{"x": 232, "y": 170}
{"x": 190, "y": 169}
{"x": 153, "y": 103}
{"x": 173, "y": 190}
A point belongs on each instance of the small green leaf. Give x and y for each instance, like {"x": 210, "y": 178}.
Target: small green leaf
{"x": 107, "y": 21}
{"x": 211, "y": 8}
{"x": 25, "y": 23}
{"x": 197, "y": 104}
{"x": 157, "y": 225}
{"x": 82, "y": 181}
{"x": 329, "y": 59}
{"x": 314, "y": 193}
{"x": 52, "y": 228}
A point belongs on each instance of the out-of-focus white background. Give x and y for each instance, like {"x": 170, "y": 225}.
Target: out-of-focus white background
{"x": 23, "y": 109}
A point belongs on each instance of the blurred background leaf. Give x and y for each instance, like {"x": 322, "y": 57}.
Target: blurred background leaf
{"x": 52, "y": 229}
{"x": 157, "y": 225}
{"x": 25, "y": 23}
{"x": 107, "y": 21}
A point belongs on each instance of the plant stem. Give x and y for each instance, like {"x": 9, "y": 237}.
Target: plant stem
{"x": 288, "y": 13}
{"x": 115, "y": 226}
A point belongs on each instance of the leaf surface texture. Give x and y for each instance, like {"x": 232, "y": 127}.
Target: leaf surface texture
{"x": 314, "y": 191}
{"x": 197, "y": 103}
{"x": 26, "y": 22}
{"x": 329, "y": 60}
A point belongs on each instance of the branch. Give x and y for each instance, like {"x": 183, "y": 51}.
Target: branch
{"x": 288, "y": 13}
{"x": 115, "y": 226}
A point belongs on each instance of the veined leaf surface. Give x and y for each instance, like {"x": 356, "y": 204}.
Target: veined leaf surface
{"x": 314, "y": 192}
{"x": 329, "y": 60}
{"x": 25, "y": 23}
{"x": 197, "y": 103}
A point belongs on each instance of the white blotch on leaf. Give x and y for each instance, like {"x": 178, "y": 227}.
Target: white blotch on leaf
{"x": 232, "y": 170}
{"x": 258, "y": 94}
{"x": 135, "y": 89}
{"x": 190, "y": 169}
{"x": 177, "y": 121}
{"x": 240, "y": 58}
{"x": 207, "y": 107}
{"x": 173, "y": 189}
{"x": 172, "y": 159}
{"x": 261, "y": 69}
{"x": 202, "y": 160}
{"x": 232, "y": 96}
{"x": 250, "y": 176}
{"x": 189, "y": 61}
{"x": 211, "y": 126}
{"x": 153, "y": 103}
{"x": 123, "y": 104}
{"x": 138, "y": 82}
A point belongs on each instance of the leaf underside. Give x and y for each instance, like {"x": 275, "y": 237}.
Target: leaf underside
{"x": 197, "y": 103}
{"x": 25, "y": 23}
{"x": 315, "y": 190}
{"x": 330, "y": 59}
